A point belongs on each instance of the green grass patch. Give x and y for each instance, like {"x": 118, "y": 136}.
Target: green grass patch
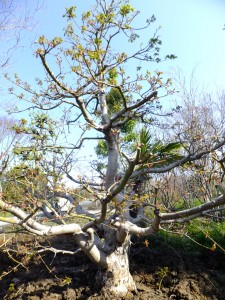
{"x": 195, "y": 236}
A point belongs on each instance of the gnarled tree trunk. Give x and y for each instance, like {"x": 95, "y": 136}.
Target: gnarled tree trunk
{"x": 115, "y": 277}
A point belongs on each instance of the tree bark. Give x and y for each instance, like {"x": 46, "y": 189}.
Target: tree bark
{"x": 115, "y": 278}
{"x": 112, "y": 165}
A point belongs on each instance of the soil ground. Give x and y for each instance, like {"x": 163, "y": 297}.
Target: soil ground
{"x": 159, "y": 272}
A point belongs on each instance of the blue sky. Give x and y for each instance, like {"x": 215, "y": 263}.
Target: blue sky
{"x": 191, "y": 29}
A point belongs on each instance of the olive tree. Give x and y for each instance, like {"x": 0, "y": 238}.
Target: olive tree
{"x": 81, "y": 68}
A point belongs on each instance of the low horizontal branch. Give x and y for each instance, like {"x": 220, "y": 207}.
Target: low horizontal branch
{"x": 198, "y": 210}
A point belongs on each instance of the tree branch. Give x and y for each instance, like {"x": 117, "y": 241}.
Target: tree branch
{"x": 195, "y": 211}
{"x": 140, "y": 103}
{"x": 177, "y": 163}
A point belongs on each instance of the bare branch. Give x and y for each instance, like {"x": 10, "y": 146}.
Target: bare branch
{"x": 189, "y": 158}
{"x": 140, "y": 103}
{"x": 195, "y": 211}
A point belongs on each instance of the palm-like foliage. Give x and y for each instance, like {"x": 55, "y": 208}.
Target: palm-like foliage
{"x": 157, "y": 152}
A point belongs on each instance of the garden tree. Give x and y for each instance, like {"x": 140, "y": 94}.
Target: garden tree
{"x": 87, "y": 58}
{"x": 37, "y": 161}
{"x": 7, "y": 139}
{"x": 24, "y": 186}
{"x": 42, "y": 134}
{"x": 200, "y": 118}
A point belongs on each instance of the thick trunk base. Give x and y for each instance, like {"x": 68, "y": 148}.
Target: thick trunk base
{"x": 118, "y": 286}
{"x": 117, "y": 278}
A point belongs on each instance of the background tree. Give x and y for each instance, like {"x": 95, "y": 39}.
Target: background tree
{"x": 199, "y": 121}
{"x": 8, "y": 138}
{"x": 16, "y": 18}
{"x": 38, "y": 159}
{"x": 76, "y": 86}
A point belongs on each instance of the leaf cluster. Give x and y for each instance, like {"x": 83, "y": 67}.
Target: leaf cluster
{"x": 155, "y": 152}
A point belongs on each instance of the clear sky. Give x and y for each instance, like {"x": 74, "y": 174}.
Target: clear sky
{"x": 191, "y": 29}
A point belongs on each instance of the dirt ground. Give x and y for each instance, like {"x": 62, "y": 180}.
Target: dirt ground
{"x": 160, "y": 273}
